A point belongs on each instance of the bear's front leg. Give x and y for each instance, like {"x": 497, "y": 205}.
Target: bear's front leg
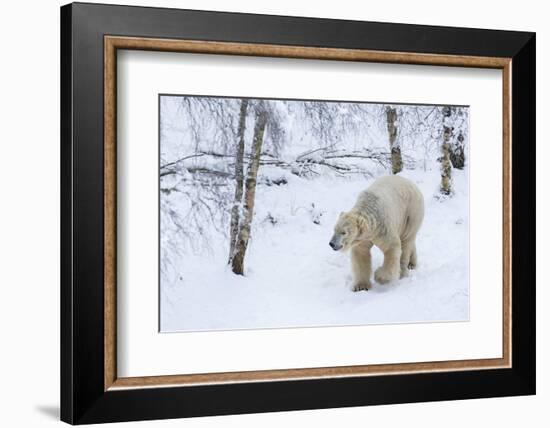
{"x": 361, "y": 266}
{"x": 390, "y": 269}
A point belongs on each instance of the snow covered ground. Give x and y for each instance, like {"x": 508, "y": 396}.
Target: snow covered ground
{"x": 294, "y": 279}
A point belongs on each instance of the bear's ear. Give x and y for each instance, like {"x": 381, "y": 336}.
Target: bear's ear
{"x": 342, "y": 214}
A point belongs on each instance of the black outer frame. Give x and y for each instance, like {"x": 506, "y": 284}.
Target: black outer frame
{"x": 83, "y": 399}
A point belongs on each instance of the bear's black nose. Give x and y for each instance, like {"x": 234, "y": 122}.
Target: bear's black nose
{"x": 332, "y": 245}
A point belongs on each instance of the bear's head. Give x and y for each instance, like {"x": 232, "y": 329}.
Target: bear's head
{"x": 347, "y": 232}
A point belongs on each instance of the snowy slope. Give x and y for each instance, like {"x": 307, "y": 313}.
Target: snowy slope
{"x": 294, "y": 279}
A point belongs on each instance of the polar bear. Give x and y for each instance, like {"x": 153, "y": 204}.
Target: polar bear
{"x": 388, "y": 214}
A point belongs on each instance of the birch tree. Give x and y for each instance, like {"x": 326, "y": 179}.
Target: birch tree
{"x": 446, "y": 166}
{"x": 239, "y": 180}
{"x": 457, "y": 156}
{"x": 395, "y": 149}
{"x": 458, "y": 142}
{"x": 241, "y": 243}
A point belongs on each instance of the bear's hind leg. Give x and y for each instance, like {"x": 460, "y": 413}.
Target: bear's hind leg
{"x": 361, "y": 266}
{"x": 413, "y": 261}
{"x": 407, "y": 248}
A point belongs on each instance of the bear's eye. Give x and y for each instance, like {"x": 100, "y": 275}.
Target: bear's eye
{"x": 343, "y": 233}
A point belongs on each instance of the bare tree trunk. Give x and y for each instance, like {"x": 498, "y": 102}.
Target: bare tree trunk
{"x": 239, "y": 179}
{"x": 457, "y": 152}
{"x": 396, "y": 160}
{"x": 446, "y": 166}
{"x": 237, "y": 263}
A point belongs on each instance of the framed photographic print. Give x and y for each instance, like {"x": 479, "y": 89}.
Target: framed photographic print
{"x": 265, "y": 213}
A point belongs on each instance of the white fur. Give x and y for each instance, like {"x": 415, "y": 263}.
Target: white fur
{"x": 388, "y": 214}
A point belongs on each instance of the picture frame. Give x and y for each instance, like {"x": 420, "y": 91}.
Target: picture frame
{"x": 91, "y": 390}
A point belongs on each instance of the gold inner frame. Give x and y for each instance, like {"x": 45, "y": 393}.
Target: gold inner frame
{"x": 113, "y": 43}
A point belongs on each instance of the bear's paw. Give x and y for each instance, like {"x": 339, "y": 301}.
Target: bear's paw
{"x": 362, "y": 286}
{"x": 383, "y": 276}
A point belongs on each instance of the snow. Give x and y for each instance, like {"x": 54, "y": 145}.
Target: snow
{"x": 294, "y": 279}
